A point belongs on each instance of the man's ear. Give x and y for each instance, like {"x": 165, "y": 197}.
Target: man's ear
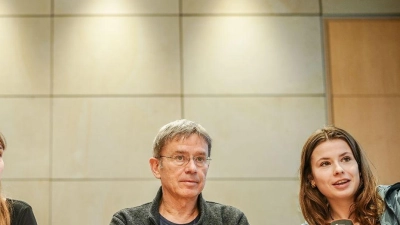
{"x": 155, "y": 167}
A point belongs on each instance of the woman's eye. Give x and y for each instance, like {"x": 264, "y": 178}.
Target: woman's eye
{"x": 346, "y": 159}
{"x": 324, "y": 164}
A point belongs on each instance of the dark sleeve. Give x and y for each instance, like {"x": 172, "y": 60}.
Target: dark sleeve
{"x": 118, "y": 219}
{"x": 243, "y": 220}
{"x": 23, "y": 216}
{"x": 133, "y": 216}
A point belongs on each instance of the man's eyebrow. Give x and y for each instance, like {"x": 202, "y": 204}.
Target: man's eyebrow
{"x": 186, "y": 152}
{"x": 180, "y": 151}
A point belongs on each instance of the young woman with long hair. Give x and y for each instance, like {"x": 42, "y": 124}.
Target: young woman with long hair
{"x": 336, "y": 182}
{"x": 13, "y": 212}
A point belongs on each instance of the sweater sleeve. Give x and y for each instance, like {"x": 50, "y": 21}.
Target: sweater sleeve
{"x": 118, "y": 219}
{"x": 243, "y": 220}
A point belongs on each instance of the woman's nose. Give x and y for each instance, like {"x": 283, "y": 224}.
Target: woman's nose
{"x": 338, "y": 169}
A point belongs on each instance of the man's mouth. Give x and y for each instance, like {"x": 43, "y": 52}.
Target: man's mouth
{"x": 190, "y": 181}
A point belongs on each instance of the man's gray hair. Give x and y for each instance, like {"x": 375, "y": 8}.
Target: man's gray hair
{"x": 178, "y": 129}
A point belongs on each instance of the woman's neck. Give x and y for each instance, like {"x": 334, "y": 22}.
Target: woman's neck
{"x": 340, "y": 210}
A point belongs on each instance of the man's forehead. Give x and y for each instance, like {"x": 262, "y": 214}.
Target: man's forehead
{"x": 183, "y": 137}
{"x": 186, "y": 152}
{"x": 177, "y": 143}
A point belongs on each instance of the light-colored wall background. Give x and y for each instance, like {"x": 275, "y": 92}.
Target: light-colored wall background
{"x": 363, "y": 63}
{"x": 85, "y": 85}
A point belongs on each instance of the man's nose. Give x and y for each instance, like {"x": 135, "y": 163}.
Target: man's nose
{"x": 191, "y": 165}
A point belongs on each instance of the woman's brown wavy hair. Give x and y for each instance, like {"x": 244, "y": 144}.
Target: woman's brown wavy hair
{"x": 4, "y": 207}
{"x": 368, "y": 205}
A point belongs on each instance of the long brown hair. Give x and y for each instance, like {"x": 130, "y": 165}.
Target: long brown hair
{"x": 4, "y": 207}
{"x": 368, "y": 205}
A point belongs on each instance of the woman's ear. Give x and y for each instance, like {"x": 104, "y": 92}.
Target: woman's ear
{"x": 311, "y": 180}
{"x": 155, "y": 167}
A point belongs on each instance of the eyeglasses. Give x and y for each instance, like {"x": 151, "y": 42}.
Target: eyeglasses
{"x": 181, "y": 160}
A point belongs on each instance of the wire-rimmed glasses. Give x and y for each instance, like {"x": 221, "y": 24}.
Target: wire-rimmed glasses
{"x": 182, "y": 160}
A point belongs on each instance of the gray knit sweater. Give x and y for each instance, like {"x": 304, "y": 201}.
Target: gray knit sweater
{"x": 211, "y": 213}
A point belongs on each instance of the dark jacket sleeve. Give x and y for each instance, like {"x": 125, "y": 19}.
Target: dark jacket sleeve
{"x": 22, "y": 214}
{"x": 27, "y": 218}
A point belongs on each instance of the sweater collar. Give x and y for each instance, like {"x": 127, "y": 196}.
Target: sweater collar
{"x": 154, "y": 214}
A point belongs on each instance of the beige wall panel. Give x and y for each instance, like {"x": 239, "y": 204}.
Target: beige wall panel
{"x": 257, "y": 137}
{"x": 115, "y": 7}
{"x": 24, "y": 56}
{"x": 360, "y": 7}
{"x": 263, "y": 202}
{"x": 116, "y": 55}
{"x": 250, "y": 6}
{"x": 252, "y": 55}
{"x": 362, "y": 60}
{"x": 107, "y": 137}
{"x": 25, "y": 124}
{"x": 18, "y": 7}
{"x": 95, "y": 202}
{"x": 35, "y": 193}
{"x": 375, "y": 123}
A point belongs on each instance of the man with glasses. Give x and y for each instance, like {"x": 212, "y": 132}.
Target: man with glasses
{"x": 181, "y": 158}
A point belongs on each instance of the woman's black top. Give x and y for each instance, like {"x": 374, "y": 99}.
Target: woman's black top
{"x": 21, "y": 213}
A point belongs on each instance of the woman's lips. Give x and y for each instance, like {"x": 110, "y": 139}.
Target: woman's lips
{"x": 341, "y": 184}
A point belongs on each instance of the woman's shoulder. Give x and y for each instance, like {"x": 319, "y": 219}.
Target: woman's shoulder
{"x": 21, "y": 212}
{"x": 19, "y": 208}
{"x": 18, "y": 204}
